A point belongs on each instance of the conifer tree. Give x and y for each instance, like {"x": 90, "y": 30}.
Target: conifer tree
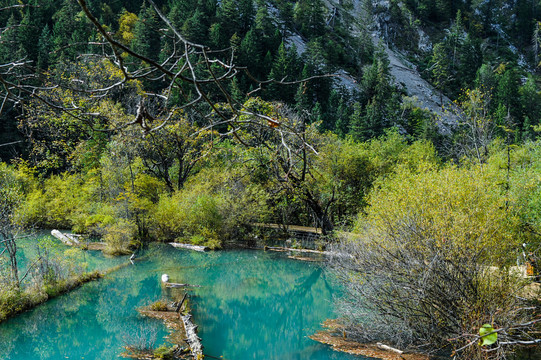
{"x": 285, "y": 68}
{"x": 44, "y": 46}
{"x": 228, "y": 16}
{"x": 146, "y": 34}
{"x": 440, "y": 69}
{"x": 250, "y": 52}
{"x": 310, "y": 17}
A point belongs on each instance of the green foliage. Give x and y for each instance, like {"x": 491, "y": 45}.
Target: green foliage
{"x": 488, "y": 336}
{"x": 164, "y": 352}
{"x": 456, "y": 228}
{"x": 126, "y": 22}
{"x": 309, "y": 16}
{"x": 146, "y": 40}
{"x": 214, "y": 207}
{"x": 15, "y": 301}
{"x": 461, "y": 208}
{"x": 119, "y": 237}
{"x": 159, "y": 305}
{"x": 54, "y": 205}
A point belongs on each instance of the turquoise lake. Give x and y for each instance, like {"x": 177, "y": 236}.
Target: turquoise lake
{"x": 251, "y": 305}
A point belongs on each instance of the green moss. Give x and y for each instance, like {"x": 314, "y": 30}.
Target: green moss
{"x": 159, "y": 305}
{"x": 163, "y": 352}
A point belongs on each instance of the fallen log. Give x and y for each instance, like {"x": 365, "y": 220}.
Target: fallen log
{"x": 176, "y": 285}
{"x": 388, "y": 348}
{"x": 304, "y": 258}
{"x": 62, "y": 237}
{"x": 74, "y": 238}
{"x": 283, "y": 249}
{"x": 95, "y": 246}
{"x": 179, "y": 305}
{"x": 190, "y": 247}
{"x": 191, "y": 337}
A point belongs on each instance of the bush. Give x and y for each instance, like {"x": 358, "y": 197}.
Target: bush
{"x": 164, "y": 352}
{"x": 159, "y": 305}
{"x": 430, "y": 264}
{"x": 14, "y": 301}
{"x": 119, "y": 237}
{"x": 213, "y": 207}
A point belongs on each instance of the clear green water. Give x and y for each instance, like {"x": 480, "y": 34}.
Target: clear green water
{"x": 252, "y": 305}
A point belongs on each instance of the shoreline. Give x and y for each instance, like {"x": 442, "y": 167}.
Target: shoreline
{"x": 329, "y": 336}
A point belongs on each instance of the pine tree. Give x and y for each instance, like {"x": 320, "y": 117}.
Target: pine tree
{"x": 9, "y": 41}
{"x": 507, "y": 92}
{"x": 263, "y": 22}
{"x": 69, "y": 31}
{"x": 146, "y": 34}
{"x": 195, "y": 29}
{"x": 228, "y": 16}
{"x": 284, "y": 68}
{"x": 530, "y": 101}
{"x": 310, "y": 17}
{"x": 250, "y": 52}
{"x": 44, "y": 46}
{"x": 470, "y": 60}
{"x": 217, "y": 36}
{"x": 246, "y": 15}
{"x": 440, "y": 69}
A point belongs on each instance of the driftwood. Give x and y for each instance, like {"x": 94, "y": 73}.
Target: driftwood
{"x": 176, "y": 285}
{"x": 96, "y": 246}
{"x": 333, "y": 335}
{"x": 191, "y": 336}
{"x": 190, "y": 247}
{"x": 66, "y": 238}
{"x": 179, "y": 305}
{"x": 276, "y": 248}
{"x": 304, "y": 258}
{"x": 388, "y": 348}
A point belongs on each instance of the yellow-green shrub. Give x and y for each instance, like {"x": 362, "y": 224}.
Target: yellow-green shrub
{"x": 459, "y": 206}
{"x": 119, "y": 237}
{"x": 213, "y": 207}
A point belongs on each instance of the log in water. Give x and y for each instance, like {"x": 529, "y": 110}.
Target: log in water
{"x": 66, "y": 238}
{"x": 190, "y": 247}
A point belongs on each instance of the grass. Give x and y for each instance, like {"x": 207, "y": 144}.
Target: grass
{"x": 14, "y": 301}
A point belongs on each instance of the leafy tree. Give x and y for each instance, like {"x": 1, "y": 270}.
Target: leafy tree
{"x": 173, "y": 153}
{"x": 126, "y": 26}
{"x": 443, "y": 226}
{"x": 10, "y": 198}
{"x": 476, "y": 126}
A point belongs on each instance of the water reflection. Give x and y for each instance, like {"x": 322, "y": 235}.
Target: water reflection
{"x": 93, "y": 322}
{"x": 251, "y": 305}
